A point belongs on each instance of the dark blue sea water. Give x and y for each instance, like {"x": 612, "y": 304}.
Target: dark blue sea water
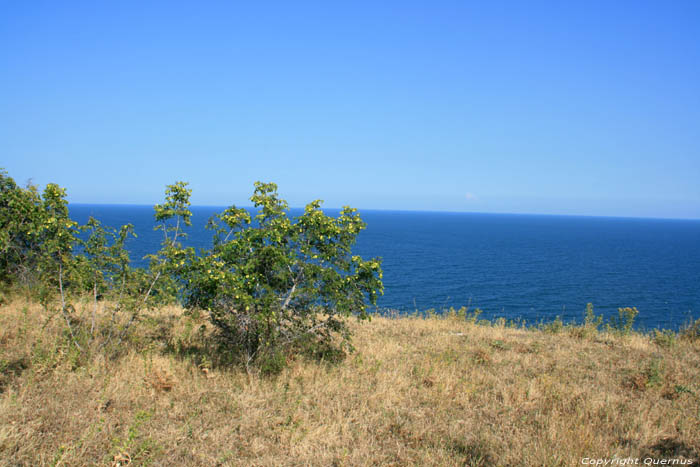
{"x": 526, "y": 267}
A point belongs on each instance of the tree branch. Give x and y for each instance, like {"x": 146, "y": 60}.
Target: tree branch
{"x": 63, "y": 304}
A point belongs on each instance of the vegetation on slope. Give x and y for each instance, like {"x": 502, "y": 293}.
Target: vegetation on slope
{"x": 270, "y": 284}
{"x": 417, "y": 391}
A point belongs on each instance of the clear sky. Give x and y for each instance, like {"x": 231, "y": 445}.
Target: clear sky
{"x": 575, "y": 107}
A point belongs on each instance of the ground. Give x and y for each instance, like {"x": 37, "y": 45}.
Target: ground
{"x": 437, "y": 391}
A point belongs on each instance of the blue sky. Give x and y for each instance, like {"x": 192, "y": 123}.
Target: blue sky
{"x": 583, "y": 107}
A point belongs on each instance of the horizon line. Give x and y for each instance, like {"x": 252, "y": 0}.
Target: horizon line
{"x": 427, "y": 211}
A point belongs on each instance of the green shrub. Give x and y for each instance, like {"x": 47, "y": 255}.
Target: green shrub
{"x": 664, "y": 338}
{"x": 474, "y": 316}
{"x": 456, "y": 315}
{"x": 462, "y": 314}
{"x": 590, "y": 326}
{"x": 590, "y": 320}
{"x": 655, "y": 373}
{"x": 273, "y": 283}
{"x": 271, "y": 362}
{"x": 622, "y": 324}
{"x": 555, "y": 327}
{"x": 268, "y": 284}
{"x": 21, "y": 220}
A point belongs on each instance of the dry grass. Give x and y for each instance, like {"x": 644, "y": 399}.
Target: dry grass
{"x": 416, "y": 392}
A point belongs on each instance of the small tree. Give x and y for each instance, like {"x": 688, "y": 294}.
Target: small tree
{"x": 105, "y": 265}
{"x": 270, "y": 283}
{"x": 21, "y": 220}
{"x": 131, "y": 290}
{"x": 171, "y": 217}
{"x": 58, "y": 235}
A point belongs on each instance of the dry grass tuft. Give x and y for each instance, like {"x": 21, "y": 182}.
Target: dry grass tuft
{"x": 416, "y": 392}
{"x": 159, "y": 380}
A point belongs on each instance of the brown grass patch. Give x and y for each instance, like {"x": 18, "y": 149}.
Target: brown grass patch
{"x": 416, "y": 392}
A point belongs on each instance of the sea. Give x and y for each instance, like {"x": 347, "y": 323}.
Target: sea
{"x": 529, "y": 269}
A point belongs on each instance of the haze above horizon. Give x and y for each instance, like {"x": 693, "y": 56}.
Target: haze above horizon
{"x": 588, "y": 108}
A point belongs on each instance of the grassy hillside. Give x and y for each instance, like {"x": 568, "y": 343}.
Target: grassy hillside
{"x": 416, "y": 392}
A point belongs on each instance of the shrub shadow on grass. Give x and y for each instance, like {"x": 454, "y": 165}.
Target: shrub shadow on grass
{"x": 208, "y": 349}
{"x": 210, "y": 354}
{"x": 9, "y": 370}
{"x": 474, "y": 452}
{"x": 672, "y": 448}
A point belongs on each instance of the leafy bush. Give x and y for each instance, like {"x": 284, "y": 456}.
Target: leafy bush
{"x": 655, "y": 373}
{"x": 664, "y": 338}
{"x": 555, "y": 327}
{"x": 58, "y": 261}
{"x": 622, "y": 324}
{"x": 474, "y": 317}
{"x": 463, "y": 314}
{"x": 591, "y": 321}
{"x": 21, "y": 219}
{"x": 271, "y": 283}
{"x": 591, "y": 324}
